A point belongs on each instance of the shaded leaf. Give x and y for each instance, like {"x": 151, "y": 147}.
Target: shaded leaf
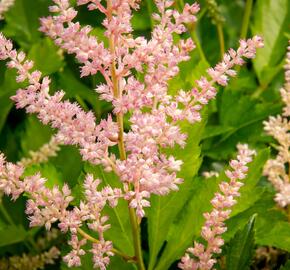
{"x": 5, "y": 107}
{"x": 12, "y": 234}
{"x": 241, "y": 248}
{"x": 272, "y": 29}
{"x": 29, "y": 139}
{"x": 286, "y": 266}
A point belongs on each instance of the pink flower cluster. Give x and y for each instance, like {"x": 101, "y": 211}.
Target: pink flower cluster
{"x": 201, "y": 256}
{"x": 150, "y": 131}
{"x": 46, "y": 206}
{"x": 279, "y": 127}
{"x": 154, "y": 114}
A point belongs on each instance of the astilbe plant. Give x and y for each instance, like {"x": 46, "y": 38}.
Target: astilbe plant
{"x": 278, "y": 127}
{"x": 155, "y": 116}
{"x": 214, "y": 225}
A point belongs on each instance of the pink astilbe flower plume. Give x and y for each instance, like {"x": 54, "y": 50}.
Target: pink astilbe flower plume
{"x": 279, "y": 127}
{"x": 47, "y": 206}
{"x": 201, "y": 256}
{"x": 154, "y": 115}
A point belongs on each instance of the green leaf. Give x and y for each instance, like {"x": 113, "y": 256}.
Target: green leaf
{"x": 141, "y": 20}
{"x": 275, "y": 234}
{"x": 46, "y": 56}
{"x": 241, "y": 248}
{"x": 69, "y": 162}
{"x": 235, "y": 108}
{"x": 48, "y": 171}
{"x": 286, "y": 266}
{"x": 164, "y": 209}
{"x": 188, "y": 223}
{"x": 189, "y": 72}
{"x": 23, "y": 21}
{"x": 120, "y": 231}
{"x": 5, "y": 107}
{"x": 74, "y": 88}
{"x": 272, "y": 29}
{"x": 212, "y": 131}
{"x": 7, "y": 89}
{"x": 11, "y": 235}
{"x": 272, "y": 228}
{"x": 29, "y": 140}
{"x": 245, "y": 116}
{"x": 118, "y": 263}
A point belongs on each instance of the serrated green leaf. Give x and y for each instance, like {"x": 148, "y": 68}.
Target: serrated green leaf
{"x": 272, "y": 29}
{"x": 245, "y": 116}
{"x": 275, "y": 234}
{"x": 164, "y": 209}
{"x": 241, "y": 247}
{"x": 272, "y": 228}
{"x": 46, "y": 56}
{"x": 188, "y": 223}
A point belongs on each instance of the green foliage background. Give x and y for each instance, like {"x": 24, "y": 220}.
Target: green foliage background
{"x": 174, "y": 221}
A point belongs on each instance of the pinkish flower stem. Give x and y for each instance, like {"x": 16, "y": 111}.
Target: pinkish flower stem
{"x": 191, "y": 29}
{"x": 115, "y": 251}
{"x": 121, "y": 146}
{"x": 116, "y": 92}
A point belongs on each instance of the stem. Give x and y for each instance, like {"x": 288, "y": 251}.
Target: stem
{"x": 246, "y": 18}
{"x": 29, "y": 243}
{"x": 118, "y": 94}
{"x": 136, "y": 239}
{"x": 191, "y": 29}
{"x": 116, "y": 251}
{"x": 197, "y": 43}
{"x": 245, "y": 24}
{"x": 221, "y": 39}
